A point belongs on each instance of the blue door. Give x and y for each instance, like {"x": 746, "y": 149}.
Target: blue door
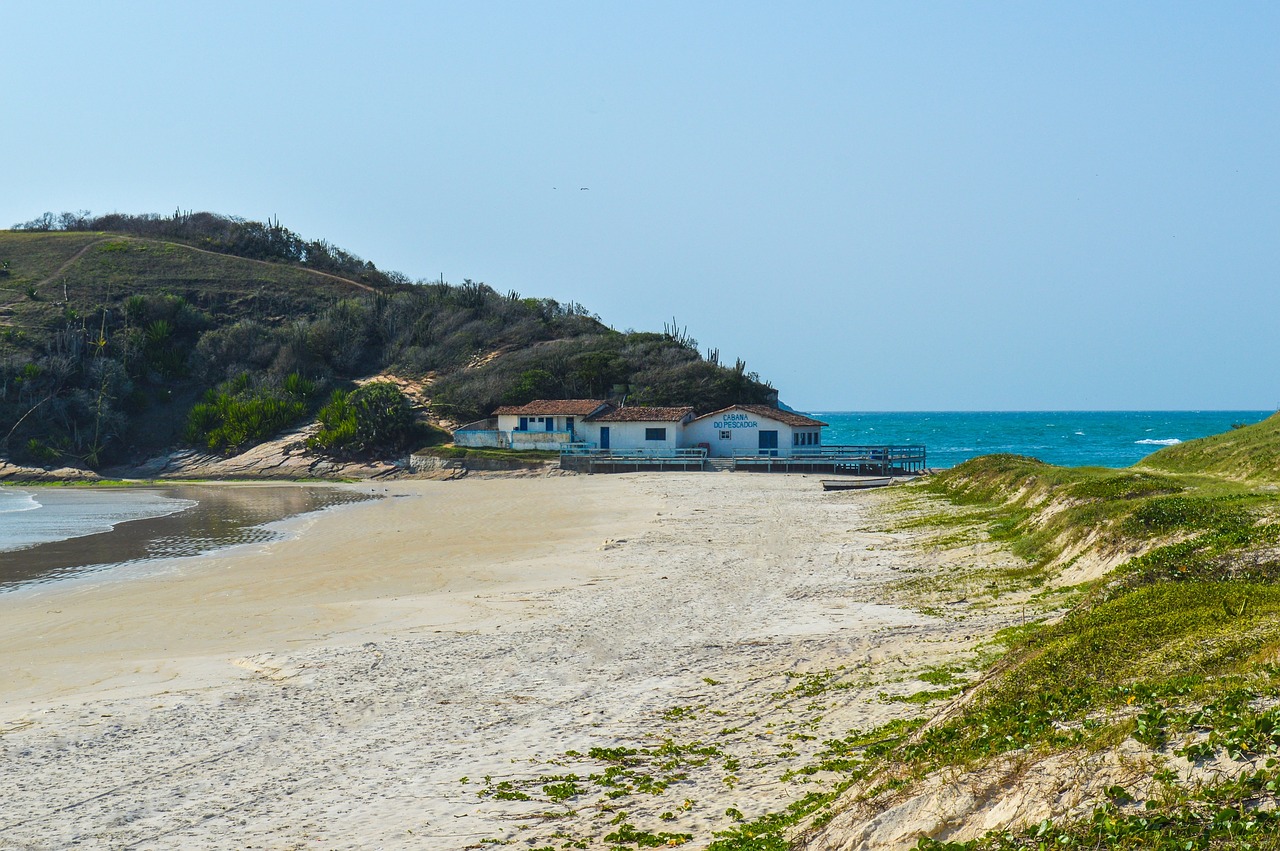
{"x": 604, "y": 437}
{"x": 768, "y": 443}
{"x": 524, "y": 424}
{"x": 551, "y": 423}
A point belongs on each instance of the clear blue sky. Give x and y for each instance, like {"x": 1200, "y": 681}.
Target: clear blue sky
{"x": 879, "y": 206}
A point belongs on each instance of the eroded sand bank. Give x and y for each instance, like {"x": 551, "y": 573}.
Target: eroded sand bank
{"x": 429, "y": 670}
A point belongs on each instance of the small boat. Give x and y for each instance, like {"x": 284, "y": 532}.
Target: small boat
{"x": 852, "y": 484}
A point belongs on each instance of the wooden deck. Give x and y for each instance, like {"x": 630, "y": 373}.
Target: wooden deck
{"x": 837, "y": 460}
{"x": 629, "y": 465}
{"x": 840, "y": 460}
{"x": 591, "y": 460}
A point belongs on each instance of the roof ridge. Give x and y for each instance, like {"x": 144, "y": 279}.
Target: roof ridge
{"x": 791, "y": 418}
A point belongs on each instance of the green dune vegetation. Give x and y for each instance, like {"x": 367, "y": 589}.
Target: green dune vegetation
{"x": 1161, "y": 656}
{"x": 122, "y": 336}
{"x": 1245, "y": 454}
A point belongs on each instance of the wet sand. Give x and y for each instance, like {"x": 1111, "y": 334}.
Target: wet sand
{"x": 372, "y": 682}
{"x": 219, "y": 516}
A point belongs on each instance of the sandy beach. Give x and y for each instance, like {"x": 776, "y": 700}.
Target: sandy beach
{"x": 434, "y": 669}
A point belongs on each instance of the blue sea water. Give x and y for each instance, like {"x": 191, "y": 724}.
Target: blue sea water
{"x": 1068, "y": 438}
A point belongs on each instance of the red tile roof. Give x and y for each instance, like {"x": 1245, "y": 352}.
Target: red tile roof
{"x": 554, "y": 407}
{"x": 790, "y": 418}
{"x": 644, "y": 415}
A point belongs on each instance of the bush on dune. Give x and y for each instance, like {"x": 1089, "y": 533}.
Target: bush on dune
{"x": 374, "y": 417}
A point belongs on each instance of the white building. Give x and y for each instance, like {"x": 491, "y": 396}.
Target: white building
{"x": 753, "y": 430}
{"x": 542, "y": 424}
{"x": 639, "y": 429}
{"x": 740, "y": 430}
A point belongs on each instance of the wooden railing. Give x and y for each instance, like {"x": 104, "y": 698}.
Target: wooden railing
{"x": 881, "y": 458}
{"x": 877, "y": 454}
{"x": 590, "y": 450}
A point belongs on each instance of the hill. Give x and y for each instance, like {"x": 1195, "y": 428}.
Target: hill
{"x": 209, "y": 331}
{"x": 55, "y": 277}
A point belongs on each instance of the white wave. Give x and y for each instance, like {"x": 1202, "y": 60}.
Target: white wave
{"x": 11, "y": 501}
{"x": 1169, "y": 441}
{"x": 1080, "y": 433}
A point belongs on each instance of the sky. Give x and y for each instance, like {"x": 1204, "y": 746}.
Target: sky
{"x": 878, "y": 206}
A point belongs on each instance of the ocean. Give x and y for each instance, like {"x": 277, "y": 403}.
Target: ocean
{"x": 1066, "y": 438}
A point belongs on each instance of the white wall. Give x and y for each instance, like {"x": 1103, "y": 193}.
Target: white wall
{"x": 552, "y": 441}
{"x": 815, "y": 439}
{"x": 511, "y": 422}
{"x": 744, "y": 433}
{"x": 624, "y": 437}
{"x": 482, "y": 439}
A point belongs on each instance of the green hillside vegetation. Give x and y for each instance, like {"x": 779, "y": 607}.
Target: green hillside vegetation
{"x": 1177, "y": 648}
{"x": 240, "y": 413}
{"x": 191, "y": 330}
{"x": 268, "y": 241}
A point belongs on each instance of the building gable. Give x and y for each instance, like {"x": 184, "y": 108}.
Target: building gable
{"x": 743, "y": 413}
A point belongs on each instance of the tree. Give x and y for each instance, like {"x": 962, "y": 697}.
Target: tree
{"x": 532, "y": 384}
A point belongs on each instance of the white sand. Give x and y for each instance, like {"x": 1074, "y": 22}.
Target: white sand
{"x": 332, "y": 691}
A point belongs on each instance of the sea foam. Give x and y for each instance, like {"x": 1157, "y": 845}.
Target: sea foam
{"x": 1169, "y": 441}
{"x": 11, "y": 501}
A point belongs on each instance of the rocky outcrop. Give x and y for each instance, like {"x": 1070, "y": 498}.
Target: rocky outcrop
{"x": 189, "y": 464}
{"x": 286, "y": 457}
{"x": 12, "y": 473}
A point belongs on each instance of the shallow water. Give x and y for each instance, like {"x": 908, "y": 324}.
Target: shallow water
{"x": 74, "y": 531}
{"x": 38, "y": 515}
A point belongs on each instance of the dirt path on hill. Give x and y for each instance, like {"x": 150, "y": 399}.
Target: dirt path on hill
{"x": 75, "y": 257}
{"x": 67, "y": 265}
{"x": 307, "y": 269}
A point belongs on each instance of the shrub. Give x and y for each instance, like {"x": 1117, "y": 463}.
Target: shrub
{"x": 373, "y": 417}
{"x": 43, "y": 453}
{"x": 239, "y": 414}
